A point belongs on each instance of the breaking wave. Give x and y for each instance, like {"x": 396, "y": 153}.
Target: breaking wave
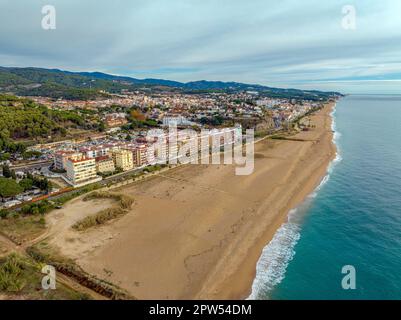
{"x": 276, "y": 256}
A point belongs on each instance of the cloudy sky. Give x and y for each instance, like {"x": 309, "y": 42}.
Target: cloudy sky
{"x": 286, "y": 43}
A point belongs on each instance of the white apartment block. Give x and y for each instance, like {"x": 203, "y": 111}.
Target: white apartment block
{"x": 61, "y": 157}
{"x": 81, "y": 171}
{"x": 96, "y": 151}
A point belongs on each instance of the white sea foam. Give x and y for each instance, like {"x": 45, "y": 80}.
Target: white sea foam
{"x": 274, "y": 260}
{"x": 336, "y": 138}
{"x": 321, "y": 184}
{"x": 273, "y": 263}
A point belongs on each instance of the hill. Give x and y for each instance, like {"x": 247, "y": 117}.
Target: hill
{"x": 57, "y": 83}
{"x": 22, "y": 119}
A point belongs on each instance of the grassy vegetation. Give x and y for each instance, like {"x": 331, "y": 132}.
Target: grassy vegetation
{"x": 36, "y": 208}
{"x": 26, "y": 224}
{"x": 154, "y": 168}
{"x": 43, "y": 253}
{"x": 3, "y": 249}
{"x": 79, "y": 192}
{"x": 99, "y": 218}
{"x": 21, "y": 228}
{"x": 20, "y": 278}
{"x": 124, "y": 203}
{"x": 278, "y": 137}
{"x": 29, "y": 222}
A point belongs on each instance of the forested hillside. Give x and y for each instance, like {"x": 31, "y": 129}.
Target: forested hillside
{"x": 23, "y": 119}
{"x": 89, "y": 85}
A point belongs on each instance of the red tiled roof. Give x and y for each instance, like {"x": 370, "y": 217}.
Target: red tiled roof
{"x": 80, "y": 160}
{"x": 102, "y": 158}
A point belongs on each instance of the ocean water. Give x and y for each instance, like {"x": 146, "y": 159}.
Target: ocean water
{"x": 353, "y": 218}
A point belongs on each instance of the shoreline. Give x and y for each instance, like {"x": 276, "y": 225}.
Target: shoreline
{"x": 198, "y": 232}
{"x": 297, "y": 223}
{"x": 243, "y": 289}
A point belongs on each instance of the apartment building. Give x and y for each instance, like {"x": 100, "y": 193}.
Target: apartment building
{"x": 61, "y": 157}
{"x": 105, "y": 164}
{"x": 123, "y": 159}
{"x": 81, "y": 171}
{"x": 95, "y": 151}
{"x": 160, "y": 151}
{"x": 140, "y": 155}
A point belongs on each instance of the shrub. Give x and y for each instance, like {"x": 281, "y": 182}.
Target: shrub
{"x": 124, "y": 204}
{"x": 3, "y": 213}
{"x": 41, "y": 207}
{"x": 98, "y": 219}
{"x": 124, "y": 201}
{"x": 10, "y": 274}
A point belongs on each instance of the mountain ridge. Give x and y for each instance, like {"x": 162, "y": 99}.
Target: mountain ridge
{"x": 76, "y": 85}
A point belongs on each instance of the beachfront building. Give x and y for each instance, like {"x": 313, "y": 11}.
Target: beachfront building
{"x": 160, "y": 150}
{"x": 140, "y": 155}
{"x": 105, "y": 164}
{"x": 81, "y": 171}
{"x": 172, "y": 147}
{"x": 61, "y": 157}
{"x": 188, "y": 146}
{"x": 123, "y": 159}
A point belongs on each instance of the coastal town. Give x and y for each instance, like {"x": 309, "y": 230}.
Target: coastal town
{"x": 199, "y": 159}
{"x": 121, "y": 143}
{"x": 91, "y": 161}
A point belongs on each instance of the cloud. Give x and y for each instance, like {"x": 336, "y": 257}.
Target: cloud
{"x": 287, "y": 43}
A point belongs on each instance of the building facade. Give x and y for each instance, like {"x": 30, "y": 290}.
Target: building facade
{"x": 140, "y": 155}
{"x": 61, "y": 157}
{"x": 80, "y": 171}
{"x": 105, "y": 164}
{"x": 123, "y": 159}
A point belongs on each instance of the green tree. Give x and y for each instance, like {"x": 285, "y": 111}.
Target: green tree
{"x": 9, "y": 188}
{"x": 5, "y": 156}
{"x": 102, "y": 127}
{"x": 6, "y": 171}
{"x": 31, "y": 154}
{"x": 42, "y": 184}
{"x": 26, "y": 184}
{"x": 3, "y": 213}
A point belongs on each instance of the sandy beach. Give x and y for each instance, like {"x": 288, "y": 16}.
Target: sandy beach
{"x": 197, "y": 231}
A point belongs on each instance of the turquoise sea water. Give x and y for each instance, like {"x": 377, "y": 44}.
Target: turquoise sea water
{"x": 354, "y": 218}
